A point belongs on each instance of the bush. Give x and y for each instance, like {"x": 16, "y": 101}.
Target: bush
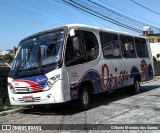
{"x": 4, "y": 100}
{"x": 154, "y": 59}
{"x": 6, "y": 58}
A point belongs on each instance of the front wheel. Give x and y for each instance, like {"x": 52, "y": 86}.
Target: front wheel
{"x": 84, "y": 99}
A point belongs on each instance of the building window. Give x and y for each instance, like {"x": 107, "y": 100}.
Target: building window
{"x": 158, "y": 39}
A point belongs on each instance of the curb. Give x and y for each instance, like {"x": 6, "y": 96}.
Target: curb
{"x": 155, "y": 79}
{"x": 10, "y": 111}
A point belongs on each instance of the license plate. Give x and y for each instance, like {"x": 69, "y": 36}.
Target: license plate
{"x": 28, "y": 99}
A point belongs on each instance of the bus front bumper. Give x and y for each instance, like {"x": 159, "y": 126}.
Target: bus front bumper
{"x": 54, "y": 95}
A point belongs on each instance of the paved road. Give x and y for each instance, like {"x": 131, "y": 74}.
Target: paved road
{"x": 107, "y": 108}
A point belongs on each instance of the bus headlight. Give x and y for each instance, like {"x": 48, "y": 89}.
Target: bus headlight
{"x": 51, "y": 82}
{"x": 12, "y": 89}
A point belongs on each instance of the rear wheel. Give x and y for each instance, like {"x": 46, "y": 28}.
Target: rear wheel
{"x": 84, "y": 99}
{"x": 135, "y": 88}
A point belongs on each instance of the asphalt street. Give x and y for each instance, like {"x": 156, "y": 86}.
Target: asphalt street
{"x": 108, "y": 108}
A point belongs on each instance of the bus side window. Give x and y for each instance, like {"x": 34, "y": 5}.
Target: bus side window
{"x": 74, "y": 50}
{"x": 69, "y": 51}
{"x": 91, "y": 46}
{"x": 141, "y": 47}
{"x": 110, "y": 45}
{"x": 128, "y": 48}
{"x": 81, "y": 48}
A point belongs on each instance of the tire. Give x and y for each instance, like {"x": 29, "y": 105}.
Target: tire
{"x": 135, "y": 88}
{"x": 84, "y": 99}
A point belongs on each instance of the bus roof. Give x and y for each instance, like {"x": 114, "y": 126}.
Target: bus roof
{"x": 81, "y": 26}
{"x": 103, "y": 29}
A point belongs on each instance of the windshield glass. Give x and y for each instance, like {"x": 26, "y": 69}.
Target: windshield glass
{"x": 45, "y": 49}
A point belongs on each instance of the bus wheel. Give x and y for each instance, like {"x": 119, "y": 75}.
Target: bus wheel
{"x": 84, "y": 99}
{"x": 135, "y": 88}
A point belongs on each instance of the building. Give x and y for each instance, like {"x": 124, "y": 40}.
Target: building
{"x": 3, "y": 52}
{"x": 154, "y": 41}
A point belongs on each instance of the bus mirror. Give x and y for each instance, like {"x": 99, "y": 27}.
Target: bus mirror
{"x": 158, "y": 55}
{"x": 72, "y": 32}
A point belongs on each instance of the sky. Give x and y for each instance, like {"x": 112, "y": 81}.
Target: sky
{"x": 21, "y": 18}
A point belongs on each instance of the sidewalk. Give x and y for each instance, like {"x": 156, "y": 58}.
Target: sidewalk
{"x": 154, "y": 79}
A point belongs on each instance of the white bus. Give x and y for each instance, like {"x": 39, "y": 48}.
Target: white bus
{"x": 74, "y": 61}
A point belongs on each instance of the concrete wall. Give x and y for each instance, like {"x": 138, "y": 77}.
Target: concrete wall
{"x": 157, "y": 68}
{"x": 155, "y": 49}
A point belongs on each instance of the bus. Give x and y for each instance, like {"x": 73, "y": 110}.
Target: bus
{"x": 75, "y": 61}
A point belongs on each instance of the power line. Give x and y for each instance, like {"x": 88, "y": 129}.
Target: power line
{"x": 18, "y": 8}
{"x": 128, "y": 12}
{"x": 98, "y": 14}
{"x": 39, "y": 9}
{"x": 94, "y": 12}
{"x": 5, "y": 4}
{"x": 130, "y": 20}
{"x": 107, "y": 14}
{"x": 85, "y": 16}
{"x": 145, "y": 7}
{"x": 116, "y": 14}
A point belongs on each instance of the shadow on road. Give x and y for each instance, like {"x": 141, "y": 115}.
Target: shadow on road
{"x": 71, "y": 108}
{"x": 148, "y": 88}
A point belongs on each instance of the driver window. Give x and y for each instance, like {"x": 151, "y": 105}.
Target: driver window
{"x": 76, "y": 44}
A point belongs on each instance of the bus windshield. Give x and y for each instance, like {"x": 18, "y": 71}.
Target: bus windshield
{"x": 38, "y": 52}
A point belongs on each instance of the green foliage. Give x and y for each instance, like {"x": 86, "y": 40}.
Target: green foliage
{"x": 1, "y": 57}
{"x": 6, "y": 58}
{"x": 4, "y": 103}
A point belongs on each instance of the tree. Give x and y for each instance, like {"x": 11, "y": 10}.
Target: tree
{"x": 6, "y": 58}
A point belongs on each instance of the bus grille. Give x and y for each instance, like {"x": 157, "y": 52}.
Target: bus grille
{"x": 21, "y": 90}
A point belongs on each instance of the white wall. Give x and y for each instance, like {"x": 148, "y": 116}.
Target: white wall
{"x": 155, "y": 48}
